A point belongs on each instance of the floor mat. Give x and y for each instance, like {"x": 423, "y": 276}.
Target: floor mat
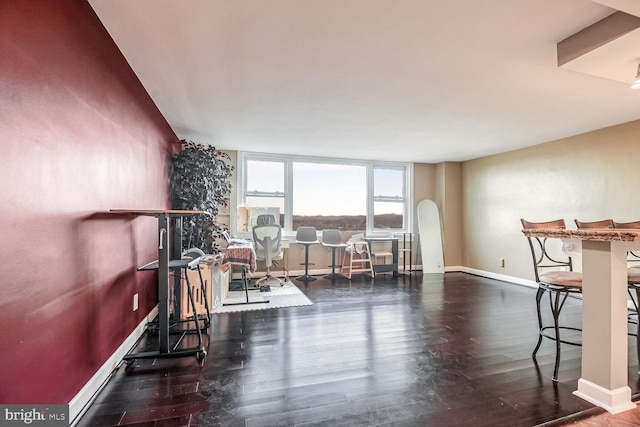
{"x": 279, "y": 297}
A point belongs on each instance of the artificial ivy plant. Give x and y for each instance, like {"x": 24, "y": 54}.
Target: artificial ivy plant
{"x": 200, "y": 180}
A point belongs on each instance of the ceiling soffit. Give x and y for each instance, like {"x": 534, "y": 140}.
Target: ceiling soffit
{"x": 609, "y": 48}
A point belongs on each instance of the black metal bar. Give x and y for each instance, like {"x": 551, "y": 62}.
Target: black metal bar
{"x": 306, "y": 276}
{"x": 163, "y": 282}
{"x": 245, "y": 281}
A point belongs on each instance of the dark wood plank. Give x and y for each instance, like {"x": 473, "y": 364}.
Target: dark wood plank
{"x": 398, "y": 351}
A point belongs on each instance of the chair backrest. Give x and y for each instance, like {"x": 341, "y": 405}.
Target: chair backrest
{"x": 306, "y": 234}
{"x": 540, "y": 248}
{"x": 632, "y": 255}
{"x": 356, "y": 237}
{"x": 331, "y": 237}
{"x": 633, "y": 224}
{"x": 265, "y": 219}
{"x": 603, "y": 223}
{"x": 267, "y": 241}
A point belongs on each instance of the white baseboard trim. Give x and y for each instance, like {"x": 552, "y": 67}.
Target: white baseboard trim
{"x": 497, "y": 276}
{"x": 81, "y": 401}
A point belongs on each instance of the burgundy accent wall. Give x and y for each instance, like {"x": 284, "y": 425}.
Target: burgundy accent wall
{"x": 79, "y": 135}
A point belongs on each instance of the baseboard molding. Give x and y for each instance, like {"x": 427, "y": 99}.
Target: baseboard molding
{"x": 497, "y": 276}
{"x": 81, "y": 401}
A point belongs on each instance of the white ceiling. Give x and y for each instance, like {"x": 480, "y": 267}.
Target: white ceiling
{"x": 405, "y": 80}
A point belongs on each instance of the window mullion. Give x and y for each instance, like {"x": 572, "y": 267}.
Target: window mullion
{"x": 370, "y": 198}
{"x": 398, "y": 199}
{"x": 288, "y": 195}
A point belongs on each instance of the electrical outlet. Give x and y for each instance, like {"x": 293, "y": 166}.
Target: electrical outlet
{"x": 135, "y": 302}
{"x": 501, "y": 262}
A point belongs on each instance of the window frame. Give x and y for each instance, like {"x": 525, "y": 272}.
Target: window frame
{"x": 371, "y": 198}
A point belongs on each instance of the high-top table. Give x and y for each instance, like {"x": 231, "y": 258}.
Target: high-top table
{"x": 604, "y": 313}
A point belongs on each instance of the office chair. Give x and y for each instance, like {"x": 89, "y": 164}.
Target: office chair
{"x": 266, "y": 219}
{"x": 306, "y": 236}
{"x": 267, "y": 240}
{"x": 333, "y": 239}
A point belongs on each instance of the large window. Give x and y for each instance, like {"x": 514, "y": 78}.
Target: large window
{"x": 327, "y": 193}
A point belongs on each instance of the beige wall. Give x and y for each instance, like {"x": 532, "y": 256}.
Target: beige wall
{"x": 233, "y": 197}
{"x": 449, "y": 180}
{"x": 588, "y": 177}
{"x": 442, "y": 183}
{"x": 424, "y": 178}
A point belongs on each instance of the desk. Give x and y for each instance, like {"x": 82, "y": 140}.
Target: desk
{"x": 166, "y": 219}
{"x": 604, "y": 315}
{"x": 241, "y": 252}
{"x": 380, "y": 268}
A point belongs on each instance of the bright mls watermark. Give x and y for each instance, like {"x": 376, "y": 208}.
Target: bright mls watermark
{"x": 35, "y": 415}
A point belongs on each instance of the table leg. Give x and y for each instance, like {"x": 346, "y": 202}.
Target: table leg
{"x": 604, "y": 337}
{"x": 394, "y": 252}
{"x": 163, "y": 283}
{"x": 175, "y": 225}
{"x": 245, "y": 283}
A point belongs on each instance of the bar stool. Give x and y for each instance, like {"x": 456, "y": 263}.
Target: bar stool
{"x": 333, "y": 239}
{"x": 557, "y": 283}
{"x": 306, "y": 236}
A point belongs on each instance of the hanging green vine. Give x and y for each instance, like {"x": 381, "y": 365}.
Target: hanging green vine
{"x": 200, "y": 179}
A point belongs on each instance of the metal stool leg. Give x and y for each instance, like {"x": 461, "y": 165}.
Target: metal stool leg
{"x": 306, "y": 276}
{"x": 539, "y": 295}
{"x": 556, "y": 313}
{"x": 333, "y": 274}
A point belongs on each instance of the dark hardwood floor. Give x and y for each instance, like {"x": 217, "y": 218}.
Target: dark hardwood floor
{"x": 411, "y": 351}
